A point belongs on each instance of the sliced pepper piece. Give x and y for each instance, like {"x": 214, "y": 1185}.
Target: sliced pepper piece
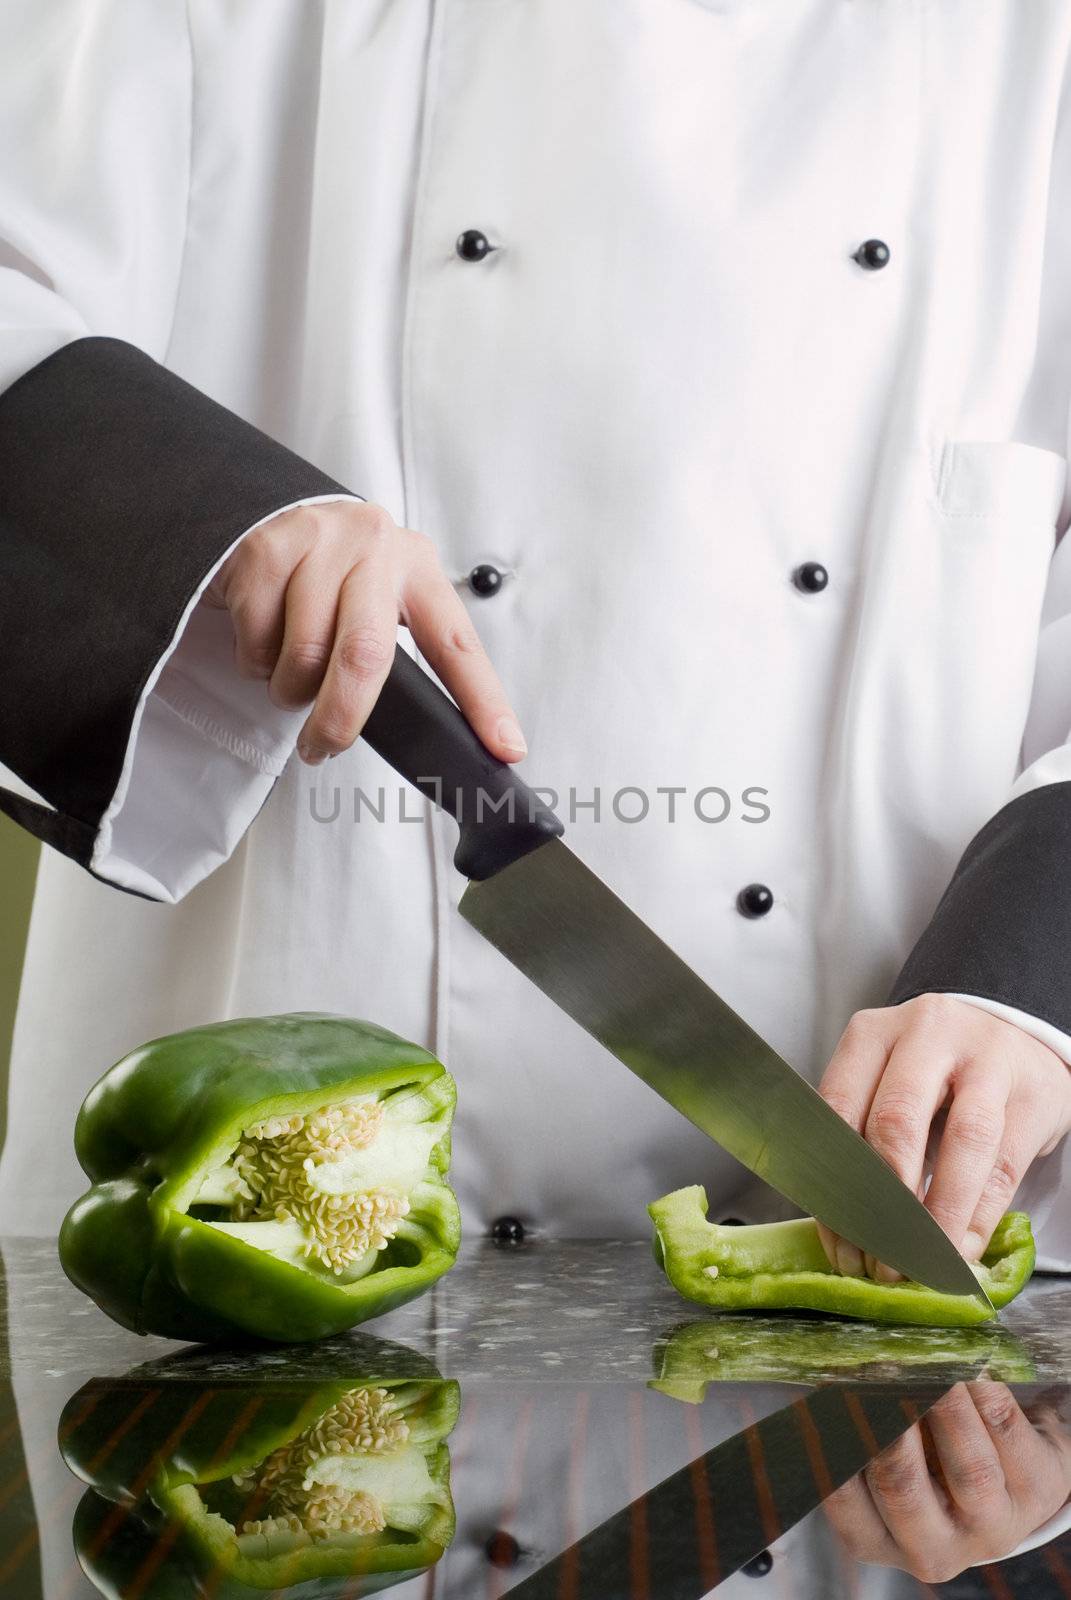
{"x": 782, "y": 1265}
{"x": 277, "y": 1176}
{"x": 256, "y": 1487}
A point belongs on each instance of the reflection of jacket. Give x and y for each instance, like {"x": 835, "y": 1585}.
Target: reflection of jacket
{"x": 548, "y": 1463}
{"x": 678, "y": 379}
{"x": 542, "y": 1463}
{"x": 551, "y": 1462}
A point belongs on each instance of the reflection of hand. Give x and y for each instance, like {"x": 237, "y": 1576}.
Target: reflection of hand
{"x": 965, "y": 1485}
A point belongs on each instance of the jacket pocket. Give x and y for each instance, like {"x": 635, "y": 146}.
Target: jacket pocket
{"x": 1000, "y": 478}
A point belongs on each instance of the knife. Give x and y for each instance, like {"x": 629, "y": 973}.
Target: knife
{"x": 566, "y": 931}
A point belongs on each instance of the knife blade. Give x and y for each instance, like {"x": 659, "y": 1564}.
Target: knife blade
{"x": 555, "y": 920}
{"x": 577, "y": 941}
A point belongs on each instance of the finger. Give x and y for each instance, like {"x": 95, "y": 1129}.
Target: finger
{"x": 1034, "y": 1461}
{"x": 1025, "y": 1129}
{"x": 906, "y": 1499}
{"x": 361, "y": 658}
{"x": 856, "y": 1065}
{"x": 843, "y": 1256}
{"x": 970, "y": 1465}
{"x": 450, "y": 644}
{"x": 912, "y": 1087}
{"x": 1045, "y": 1415}
{"x": 853, "y": 1517}
{"x": 308, "y": 633}
{"x": 968, "y": 1152}
{"x": 848, "y": 1085}
{"x": 257, "y": 612}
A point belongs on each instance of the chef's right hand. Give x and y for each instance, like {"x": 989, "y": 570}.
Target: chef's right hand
{"x": 938, "y": 1070}
{"x": 965, "y": 1485}
{"x": 316, "y": 595}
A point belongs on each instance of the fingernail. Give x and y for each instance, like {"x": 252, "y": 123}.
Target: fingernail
{"x": 310, "y": 756}
{"x": 884, "y": 1274}
{"x": 511, "y": 737}
{"x": 849, "y": 1260}
{"x": 973, "y": 1246}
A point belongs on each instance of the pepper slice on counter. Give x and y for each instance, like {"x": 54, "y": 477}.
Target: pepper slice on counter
{"x": 277, "y": 1176}
{"x": 782, "y": 1265}
{"x": 237, "y": 1489}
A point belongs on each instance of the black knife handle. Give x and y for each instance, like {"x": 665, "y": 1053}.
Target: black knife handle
{"x": 424, "y": 737}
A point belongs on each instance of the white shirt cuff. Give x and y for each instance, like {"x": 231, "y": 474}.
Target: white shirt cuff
{"x": 1057, "y": 1041}
{"x": 205, "y": 748}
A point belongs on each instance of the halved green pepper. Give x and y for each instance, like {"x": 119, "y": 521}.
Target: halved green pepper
{"x": 244, "y": 1488}
{"x": 277, "y": 1176}
{"x": 782, "y": 1265}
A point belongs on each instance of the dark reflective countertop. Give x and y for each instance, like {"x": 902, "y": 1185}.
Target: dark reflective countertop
{"x": 551, "y": 1421}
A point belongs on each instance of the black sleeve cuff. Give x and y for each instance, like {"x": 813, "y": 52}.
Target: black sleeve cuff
{"x": 1002, "y": 930}
{"x": 121, "y": 486}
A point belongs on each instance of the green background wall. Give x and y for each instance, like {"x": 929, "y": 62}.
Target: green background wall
{"x": 18, "y": 868}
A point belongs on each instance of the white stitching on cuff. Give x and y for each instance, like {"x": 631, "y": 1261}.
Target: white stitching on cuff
{"x": 217, "y": 733}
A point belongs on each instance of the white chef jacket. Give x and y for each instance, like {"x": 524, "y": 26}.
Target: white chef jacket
{"x": 668, "y": 385}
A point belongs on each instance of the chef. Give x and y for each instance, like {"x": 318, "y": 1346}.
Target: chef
{"x": 703, "y": 364}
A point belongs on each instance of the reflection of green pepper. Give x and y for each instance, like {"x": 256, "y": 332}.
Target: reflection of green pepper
{"x": 231, "y": 1491}
{"x": 730, "y": 1349}
{"x": 280, "y": 1176}
{"x": 782, "y": 1265}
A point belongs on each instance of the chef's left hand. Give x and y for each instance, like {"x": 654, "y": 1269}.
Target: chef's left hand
{"x": 965, "y": 1485}
{"x": 995, "y": 1096}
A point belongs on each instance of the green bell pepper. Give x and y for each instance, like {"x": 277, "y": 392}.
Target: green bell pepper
{"x": 277, "y": 1176}
{"x": 782, "y": 1265}
{"x": 320, "y": 1489}
{"x": 746, "y": 1349}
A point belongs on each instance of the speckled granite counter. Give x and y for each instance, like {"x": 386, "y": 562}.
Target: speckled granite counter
{"x": 578, "y": 1311}
{"x": 605, "y": 1442}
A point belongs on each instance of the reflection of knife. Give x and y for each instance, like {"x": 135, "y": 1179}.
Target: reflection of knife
{"x": 567, "y": 932}
{"x": 696, "y": 1528}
